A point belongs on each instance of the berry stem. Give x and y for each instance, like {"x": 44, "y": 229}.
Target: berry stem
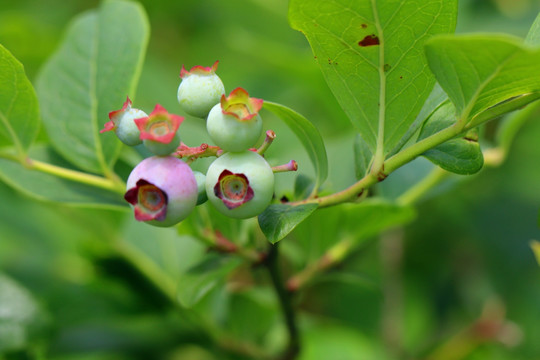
{"x": 193, "y": 153}
{"x": 270, "y": 136}
{"x": 290, "y": 166}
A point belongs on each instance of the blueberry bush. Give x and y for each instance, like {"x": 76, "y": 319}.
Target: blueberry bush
{"x": 291, "y": 180}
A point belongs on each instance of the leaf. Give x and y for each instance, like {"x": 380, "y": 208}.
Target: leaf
{"x": 278, "y": 220}
{"x": 96, "y": 66}
{"x": 47, "y": 187}
{"x": 461, "y": 155}
{"x": 362, "y": 157}
{"x": 371, "y": 55}
{"x": 308, "y": 135}
{"x": 19, "y": 112}
{"x": 480, "y": 71}
{"x": 533, "y": 37}
{"x": 506, "y": 106}
{"x": 22, "y": 321}
{"x": 203, "y": 277}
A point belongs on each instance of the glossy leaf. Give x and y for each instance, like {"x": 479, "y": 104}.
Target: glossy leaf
{"x": 19, "y": 112}
{"x": 203, "y": 277}
{"x": 480, "y": 71}
{"x": 22, "y": 321}
{"x": 47, "y": 187}
{"x": 96, "y": 66}
{"x": 308, "y": 135}
{"x": 461, "y": 155}
{"x": 371, "y": 55}
{"x": 278, "y": 220}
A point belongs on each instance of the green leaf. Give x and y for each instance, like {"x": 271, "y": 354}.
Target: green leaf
{"x": 362, "y": 157}
{"x": 371, "y": 55}
{"x": 19, "y": 112}
{"x": 461, "y": 155}
{"x": 480, "y": 71}
{"x": 278, "y": 220}
{"x": 533, "y": 37}
{"x": 22, "y": 321}
{"x": 308, "y": 135}
{"x": 47, "y": 187}
{"x": 96, "y": 66}
{"x": 203, "y": 277}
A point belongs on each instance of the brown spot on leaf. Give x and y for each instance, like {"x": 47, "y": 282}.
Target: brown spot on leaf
{"x": 363, "y": 26}
{"x": 401, "y": 77}
{"x": 369, "y": 40}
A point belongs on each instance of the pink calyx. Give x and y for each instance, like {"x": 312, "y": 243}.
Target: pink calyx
{"x": 198, "y": 69}
{"x": 149, "y": 202}
{"x": 159, "y": 126}
{"x": 233, "y": 189}
{"x": 240, "y": 105}
{"x": 116, "y": 115}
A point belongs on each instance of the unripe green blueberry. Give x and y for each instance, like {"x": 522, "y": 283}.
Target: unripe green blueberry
{"x": 235, "y": 124}
{"x": 122, "y": 122}
{"x": 240, "y": 185}
{"x": 201, "y": 187}
{"x": 159, "y": 131}
{"x": 199, "y": 90}
{"x": 162, "y": 190}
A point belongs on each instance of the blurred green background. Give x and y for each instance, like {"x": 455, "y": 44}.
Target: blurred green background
{"x": 468, "y": 247}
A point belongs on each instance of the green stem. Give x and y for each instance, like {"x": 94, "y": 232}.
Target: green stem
{"x": 403, "y": 157}
{"x": 77, "y": 176}
{"x": 293, "y": 348}
{"x": 115, "y": 185}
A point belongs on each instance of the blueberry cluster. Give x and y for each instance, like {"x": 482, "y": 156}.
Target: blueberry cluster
{"x": 162, "y": 189}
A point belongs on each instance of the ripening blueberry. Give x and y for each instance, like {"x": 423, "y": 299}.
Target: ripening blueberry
{"x": 240, "y": 185}
{"x": 199, "y": 90}
{"x": 122, "y": 122}
{"x": 235, "y": 124}
{"x": 159, "y": 131}
{"x": 162, "y": 190}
